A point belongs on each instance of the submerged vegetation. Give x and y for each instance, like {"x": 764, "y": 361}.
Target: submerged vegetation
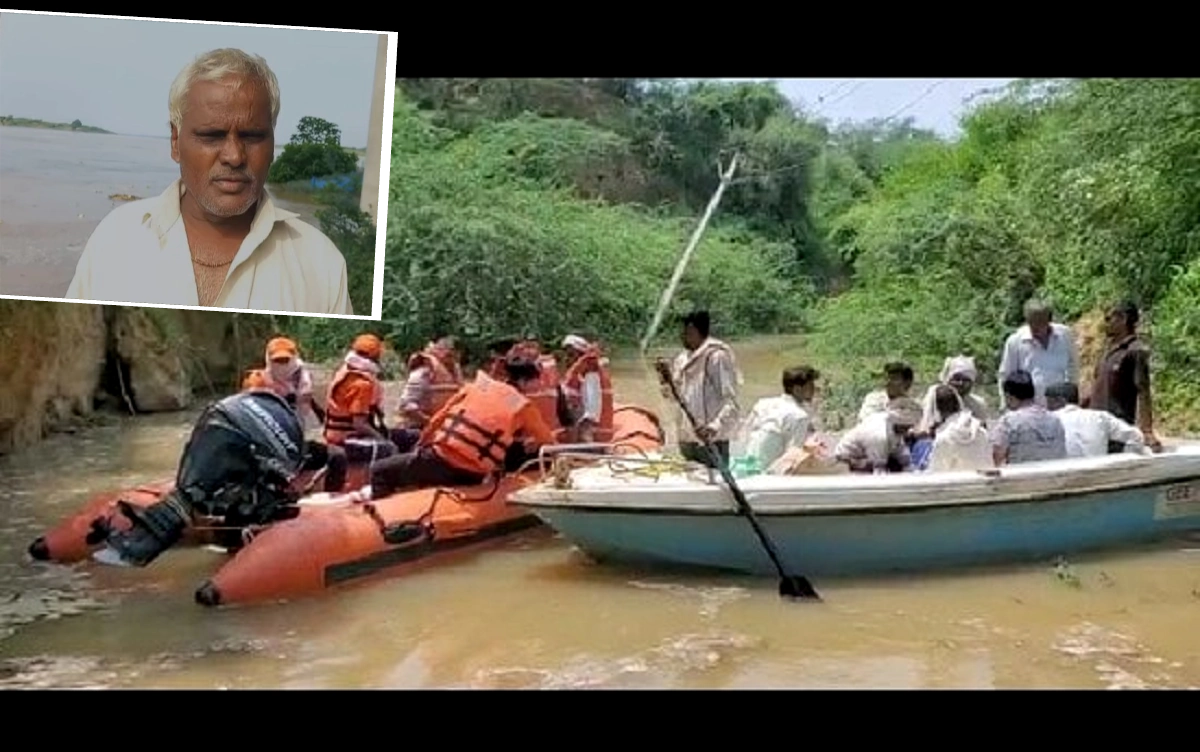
{"x": 555, "y": 205}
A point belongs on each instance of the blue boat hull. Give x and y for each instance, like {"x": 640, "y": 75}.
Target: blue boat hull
{"x": 880, "y": 541}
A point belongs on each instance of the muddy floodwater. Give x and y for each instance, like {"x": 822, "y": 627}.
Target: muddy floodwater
{"x": 533, "y": 613}
{"x": 57, "y": 188}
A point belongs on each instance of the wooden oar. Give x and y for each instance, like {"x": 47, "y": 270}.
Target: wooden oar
{"x": 790, "y": 586}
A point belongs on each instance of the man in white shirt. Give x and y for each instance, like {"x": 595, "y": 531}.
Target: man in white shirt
{"x": 879, "y": 443}
{"x": 898, "y": 382}
{"x": 1042, "y": 348}
{"x": 1089, "y": 432}
{"x": 778, "y": 424}
{"x": 215, "y": 237}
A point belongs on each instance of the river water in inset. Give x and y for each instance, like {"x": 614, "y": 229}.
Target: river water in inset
{"x": 55, "y": 188}
{"x": 533, "y": 613}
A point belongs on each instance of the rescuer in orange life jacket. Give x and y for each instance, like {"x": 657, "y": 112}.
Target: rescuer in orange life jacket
{"x": 354, "y": 408}
{"x": 548, "y": 394}
{"x": 434, "y": 376}
{"x": 587, "y": 386}
{"x": 481, "y": 431}
{"x": 286, "y": 375}
{"x": 498, "y": 351}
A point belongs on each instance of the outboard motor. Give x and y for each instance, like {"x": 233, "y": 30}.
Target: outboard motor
{"x": 243, "y": 455}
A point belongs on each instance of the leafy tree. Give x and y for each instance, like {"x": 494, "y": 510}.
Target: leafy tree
{"x": 314, "y": 151}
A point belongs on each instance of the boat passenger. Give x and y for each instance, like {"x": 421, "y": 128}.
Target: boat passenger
{"x": 1027, "y": 432}
{"x": 1091, "y": 433}
{"x": 288, "y": 376}
{"x": 707, "y": 377}
{"x": 497, "y": 352}
{"x": 898, "y": 382}
{"x": 587, "y": 387}
{"x": 880, "y": 441}
{"x": 434, "y": 376}
{"x": 1042, "y": 348}
{"x": 784, "y": 422}
{"x": 471, "y": 438}
{"x": 1121, "y": 384}
{"x": 959, "y": 440}
{"x": 547, "y": 395}
{"x": 960, "y": 373}
{"x": 354, "y": 406}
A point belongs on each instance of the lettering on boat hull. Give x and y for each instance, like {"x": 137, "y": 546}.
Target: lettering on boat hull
{"x": 1182, "y": 500}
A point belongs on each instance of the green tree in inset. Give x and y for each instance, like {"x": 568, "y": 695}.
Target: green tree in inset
{"x": 315, "y": 151}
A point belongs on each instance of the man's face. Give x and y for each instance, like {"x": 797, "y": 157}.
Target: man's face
{"x": 1114, "y": 324}
{"x": 225, "y": 145}
{"x": 805, "y": 393}
{"x": 897, "y": 386}
{"x": 961, "y": 384}
{"x": 1039, "y": 324}
{"x": 691, "y": 337}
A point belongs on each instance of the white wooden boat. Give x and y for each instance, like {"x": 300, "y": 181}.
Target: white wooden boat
{"x": 830, "y": 525}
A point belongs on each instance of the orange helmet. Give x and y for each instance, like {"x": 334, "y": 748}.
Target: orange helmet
{"x": 281, "y": 347}
{"x": 368, "y": 346}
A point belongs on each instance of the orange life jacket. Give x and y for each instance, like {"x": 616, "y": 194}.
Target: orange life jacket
{"x": 476, "y": 433}
{"x": 591, "y": 362}
{"x": 444, "y": 383}
{"x": 339, "y": 422}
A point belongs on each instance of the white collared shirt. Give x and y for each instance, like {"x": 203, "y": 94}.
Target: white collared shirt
{"x": 1056, "y": 363}
{"x": 139, "y": 254}
{"x": 776, "y": 425}
{"x": 1089, "y": 431}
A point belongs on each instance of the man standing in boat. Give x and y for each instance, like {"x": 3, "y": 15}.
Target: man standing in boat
{"x": 707, "y": 377}
{"x": 1044, "y": 349}
{"x": 1121, "y": 383}
{"x": 473, "y": 436}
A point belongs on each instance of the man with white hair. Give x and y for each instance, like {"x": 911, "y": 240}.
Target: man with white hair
{"x": 1043, "y": 348}
{"x": 215, "y": 237}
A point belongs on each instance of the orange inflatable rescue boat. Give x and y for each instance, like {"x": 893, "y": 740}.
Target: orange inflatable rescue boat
{"x": 346, "y": 540}
{"x": 79, "y": 536}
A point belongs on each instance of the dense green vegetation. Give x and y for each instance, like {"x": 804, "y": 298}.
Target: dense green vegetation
{"x": 76, "y": 125}
{"x": 555, "y": 205}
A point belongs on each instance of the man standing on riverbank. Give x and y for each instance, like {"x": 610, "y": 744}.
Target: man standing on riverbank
{"x": 1042, "y": 348}
{"x": 215, "y": 237}
{"x": 707, "y": 377}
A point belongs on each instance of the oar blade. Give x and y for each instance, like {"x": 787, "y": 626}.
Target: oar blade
{"x": 797, "y": 588}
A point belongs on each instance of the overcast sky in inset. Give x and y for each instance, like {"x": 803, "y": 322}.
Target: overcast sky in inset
{"x": 115, "y": 73}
